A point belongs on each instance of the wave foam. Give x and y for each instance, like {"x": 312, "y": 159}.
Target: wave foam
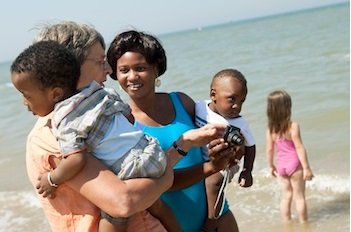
{"x": 335, "y": 184}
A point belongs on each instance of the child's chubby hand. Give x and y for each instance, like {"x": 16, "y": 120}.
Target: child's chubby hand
{"x": 44, "y": 187}
{"x": 245, "y": 179}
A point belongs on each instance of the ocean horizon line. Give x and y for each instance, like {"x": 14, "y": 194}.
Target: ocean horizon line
{"x": 239, "y": 21}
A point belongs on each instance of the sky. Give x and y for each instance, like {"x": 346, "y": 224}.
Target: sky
{"x": 20, "y": 20}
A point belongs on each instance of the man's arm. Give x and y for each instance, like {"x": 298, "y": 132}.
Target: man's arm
{"x": 124, "y": 198}
{"x": 114, "y": 196}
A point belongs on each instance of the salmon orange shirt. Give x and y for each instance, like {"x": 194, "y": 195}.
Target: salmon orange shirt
{"x": 69, "y": 211}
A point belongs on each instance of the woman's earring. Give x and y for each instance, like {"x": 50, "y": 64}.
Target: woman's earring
{"x": 157, "y": 82}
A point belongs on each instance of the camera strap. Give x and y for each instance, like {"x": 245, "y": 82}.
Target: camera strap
{"x": 221, "y": 193}
{"x": 228, "y": 175}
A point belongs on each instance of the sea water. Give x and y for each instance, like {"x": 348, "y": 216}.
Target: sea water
{"x": 306, "y": 53}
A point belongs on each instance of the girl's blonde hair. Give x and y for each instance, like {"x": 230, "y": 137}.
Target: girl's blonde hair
{"x": 279, "y": 112}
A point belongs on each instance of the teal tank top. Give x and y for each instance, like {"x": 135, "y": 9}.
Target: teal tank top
{"x": 188, "y": 204}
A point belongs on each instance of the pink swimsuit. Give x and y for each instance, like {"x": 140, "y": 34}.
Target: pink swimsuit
{"x": 287, "y": 159}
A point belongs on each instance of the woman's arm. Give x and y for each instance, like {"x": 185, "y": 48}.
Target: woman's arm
{"x": 188, "y": 104}
{"x": 220, "y": 154}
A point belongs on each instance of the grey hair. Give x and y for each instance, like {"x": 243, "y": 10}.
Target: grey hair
{"x": 78, "y": 38}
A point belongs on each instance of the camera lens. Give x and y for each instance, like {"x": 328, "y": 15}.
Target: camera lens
{"x": 232, "y": 135}
{"x": 236, "y": 139}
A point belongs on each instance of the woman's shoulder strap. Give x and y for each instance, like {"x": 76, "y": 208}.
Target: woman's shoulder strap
{"x": 178, "y": 105}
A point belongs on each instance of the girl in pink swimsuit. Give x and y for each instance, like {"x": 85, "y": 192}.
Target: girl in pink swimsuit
{"x": 287, "y": 159}
{"x": 291, "y": 164}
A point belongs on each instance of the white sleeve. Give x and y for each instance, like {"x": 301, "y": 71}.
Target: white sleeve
{"x": 249, "y": 138}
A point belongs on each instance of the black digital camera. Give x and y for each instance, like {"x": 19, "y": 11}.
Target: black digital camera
{"x": 232, "y": 135}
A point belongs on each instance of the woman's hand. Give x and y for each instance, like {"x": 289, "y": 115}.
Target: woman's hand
{"x": 220, "y": 154}
{"x": 201, "y": 136}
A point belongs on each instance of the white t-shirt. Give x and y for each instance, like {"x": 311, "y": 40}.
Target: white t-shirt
{"x": 205, "y": 115}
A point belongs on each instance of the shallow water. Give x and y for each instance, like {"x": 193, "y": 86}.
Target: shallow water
{"x": 306, "y": 53}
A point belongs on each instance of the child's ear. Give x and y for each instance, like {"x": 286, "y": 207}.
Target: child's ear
{"x": 57, "y": 94}
{"x": 213, "y": 95}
